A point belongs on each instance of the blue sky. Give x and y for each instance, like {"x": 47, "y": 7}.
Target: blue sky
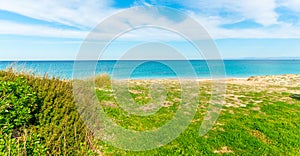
{"x": 55, "y": 29}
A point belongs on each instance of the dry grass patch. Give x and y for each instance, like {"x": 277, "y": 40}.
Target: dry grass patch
{"x": 259, "y": 135}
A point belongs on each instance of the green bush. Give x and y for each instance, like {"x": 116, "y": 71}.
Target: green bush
{"x": 17, "y": 104}
{"x": 38, "y": 116}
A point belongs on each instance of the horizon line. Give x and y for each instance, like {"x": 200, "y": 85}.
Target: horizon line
{"x": 226, "y": 59}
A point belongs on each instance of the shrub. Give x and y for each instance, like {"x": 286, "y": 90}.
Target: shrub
{"x": 38, "y": 115}
{"x": 17, "y": 104}
{"x": 102, "y": 80}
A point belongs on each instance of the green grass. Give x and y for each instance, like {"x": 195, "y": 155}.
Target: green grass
{"x": 268, "y": 125}
{"x": 254, "y": 121}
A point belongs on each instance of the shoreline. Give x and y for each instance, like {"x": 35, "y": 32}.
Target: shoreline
{"x": 280, "y": 79}
{"x": 289, "y": 80}
{"x": 234, "y": 69}
{"x": 210, "y": 79}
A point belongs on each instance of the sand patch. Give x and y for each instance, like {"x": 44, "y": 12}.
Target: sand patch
{"x": 109, "y": 104}
{"x": 168, "y": 104}
{"x": 223, "y": 150}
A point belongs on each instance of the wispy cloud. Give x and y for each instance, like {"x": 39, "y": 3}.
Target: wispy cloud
{"x": 291, "y": 4}
{"x": 13, "y": 28}
{"x": 261, "y": 11}
{"x": 212, "y": 14}
{"x": 69, "y": 12}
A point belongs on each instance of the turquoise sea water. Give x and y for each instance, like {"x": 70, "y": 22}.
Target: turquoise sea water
{"x": 158, "y": 69}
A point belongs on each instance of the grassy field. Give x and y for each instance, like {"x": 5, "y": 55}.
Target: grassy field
{"x": 260, "y": 117}
{"x": 257, "y": 119}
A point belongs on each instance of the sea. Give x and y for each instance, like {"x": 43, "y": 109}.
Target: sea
{"x": 156, "y": 69}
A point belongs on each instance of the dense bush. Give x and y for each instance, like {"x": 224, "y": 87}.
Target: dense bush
{"x": 17, "y": 105}
{"x": 39, "y": 116}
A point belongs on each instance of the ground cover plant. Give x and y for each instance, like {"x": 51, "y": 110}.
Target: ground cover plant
{"x": 38, "y": 116}
{"x": 257, "y": 119}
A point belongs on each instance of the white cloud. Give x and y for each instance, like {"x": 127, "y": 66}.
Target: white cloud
{"x": 87, "y": 14}
{"x": 291, "y": 4}
{"x": 261, "y": 11}
{"x": 69, "y": 12}
{"x": 281, "y": 30}
{"x": 13, "y": 28}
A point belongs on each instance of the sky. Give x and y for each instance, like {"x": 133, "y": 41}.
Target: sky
{"x": 56, "y": 29}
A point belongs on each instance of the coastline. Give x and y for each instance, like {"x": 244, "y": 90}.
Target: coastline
{"x": 284, "y": 79}
{"x": 155, "y": 70}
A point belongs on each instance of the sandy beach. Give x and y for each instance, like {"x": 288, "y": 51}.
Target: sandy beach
{"x": 237, "y": 87}
{"x": 287, "y": 80}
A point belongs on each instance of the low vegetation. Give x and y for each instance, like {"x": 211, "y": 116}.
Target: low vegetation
{"x": 38, "y": 117}
{"x": 257, "y": 119}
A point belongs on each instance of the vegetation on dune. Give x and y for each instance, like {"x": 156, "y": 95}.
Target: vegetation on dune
{"x": 102, "y": 80}
{"x": 38, "y": 116}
